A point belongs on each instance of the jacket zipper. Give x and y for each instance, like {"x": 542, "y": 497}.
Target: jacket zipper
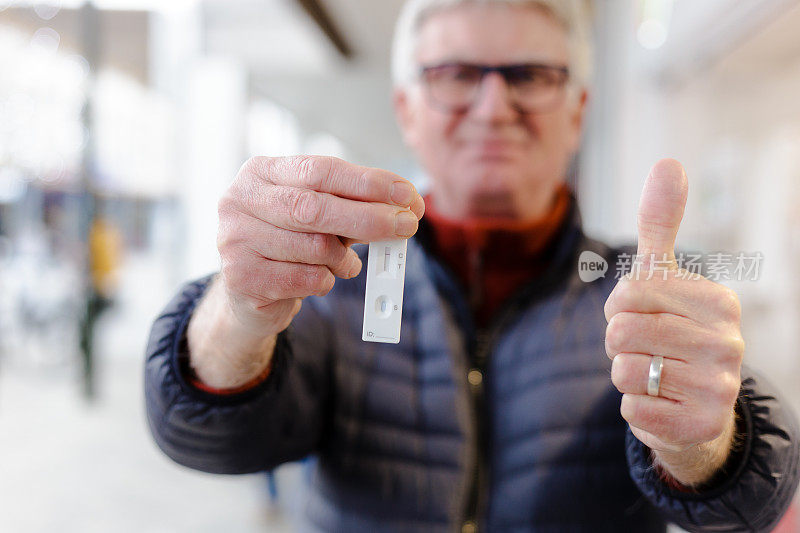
{"x": 480, "y": 473}
{"x": 479, "y": 355}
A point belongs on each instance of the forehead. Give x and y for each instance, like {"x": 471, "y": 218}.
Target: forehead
{"x": 492, "y": 34}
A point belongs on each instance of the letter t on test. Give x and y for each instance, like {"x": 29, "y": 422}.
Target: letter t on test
{"x": 383, "y": 301}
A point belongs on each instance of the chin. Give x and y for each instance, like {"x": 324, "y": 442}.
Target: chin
{"x": 493, "y": 203}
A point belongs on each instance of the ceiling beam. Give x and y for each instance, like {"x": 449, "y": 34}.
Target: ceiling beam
{"x": 322, "y": 18}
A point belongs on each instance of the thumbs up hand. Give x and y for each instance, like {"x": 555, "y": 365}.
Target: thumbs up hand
{"x": 675, "y": 343}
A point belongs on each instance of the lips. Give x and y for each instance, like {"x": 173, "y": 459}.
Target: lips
{"x": 493, "y": 148}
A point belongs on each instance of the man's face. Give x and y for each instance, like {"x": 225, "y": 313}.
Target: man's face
{"x": 491, "y": 160}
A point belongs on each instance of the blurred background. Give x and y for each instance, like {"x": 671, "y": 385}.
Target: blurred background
{"x": 122, "y": 121}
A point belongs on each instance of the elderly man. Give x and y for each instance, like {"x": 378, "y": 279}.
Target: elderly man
{"x": 498, "y": 409}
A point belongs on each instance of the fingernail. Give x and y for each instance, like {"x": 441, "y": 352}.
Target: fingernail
{"x": 403, "y": 193}
{"x": 418, "y": 207}
{"x": 405, "y": 224}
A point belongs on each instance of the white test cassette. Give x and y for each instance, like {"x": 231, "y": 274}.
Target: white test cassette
{"x": 383, "y": 301}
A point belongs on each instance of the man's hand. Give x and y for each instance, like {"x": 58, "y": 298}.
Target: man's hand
{"x": 285, "y": 227}
{"x": 690, "y": 321}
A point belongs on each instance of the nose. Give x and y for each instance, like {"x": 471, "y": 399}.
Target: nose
{"x": 494, "y": 100}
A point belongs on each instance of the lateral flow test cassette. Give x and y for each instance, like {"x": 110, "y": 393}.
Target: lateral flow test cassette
{"x": 383, "y": 301}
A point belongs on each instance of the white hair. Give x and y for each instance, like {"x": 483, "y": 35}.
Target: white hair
{"x": 571, "y": 14}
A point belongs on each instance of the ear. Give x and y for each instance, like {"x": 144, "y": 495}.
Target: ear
{"x": 577, "y": 116}
{"x": 404, "y": 115}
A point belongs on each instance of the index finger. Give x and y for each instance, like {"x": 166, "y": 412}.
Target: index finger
{"x": 340, "y": 178}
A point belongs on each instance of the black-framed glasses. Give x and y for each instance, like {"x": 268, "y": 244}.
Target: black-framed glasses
{"x": 534, "y": 87}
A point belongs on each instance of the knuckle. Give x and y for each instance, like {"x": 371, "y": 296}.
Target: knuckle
{"x": 312, "y": 171}
{"x": 299, "y": 279}
{"x": 613, "y": 303}
{"x": 369, "y": 183}
{"x": 310, "y": 279}
{"x": 323, "y": 247}
{"x": 628, "y": 293}
{"x": 224, "y": 239}
{"x": 736, "y": 347}
{"x": 255, "y": 169}
{"x": 629, "y": 409}
{"x": 608, "y": 308}
{"x": 306, "y": 207}
{"x": 320, "y": 281}
{"x": 726, "y": 347}
{"x": 226, "y": 204}
{"x": 253, "y": 165}
{"x": 225, "y": 242}
{"x": 625, "y": 408}
{"x": 620, "y": 371}
{"x": 245, "y": 191}
{"x": 618, "y": 332}
{"x": 727, "y": 390}
{"x": 729, "y": 306}
{"x": 327, "y": 283}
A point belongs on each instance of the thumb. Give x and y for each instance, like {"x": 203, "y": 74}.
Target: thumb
{"x": 661, "y": 210}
